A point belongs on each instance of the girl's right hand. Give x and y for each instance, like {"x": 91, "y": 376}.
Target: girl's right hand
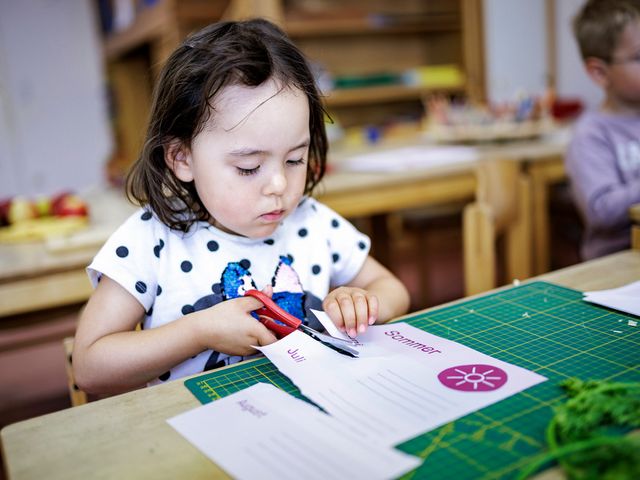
{"x": 228, "y": 327}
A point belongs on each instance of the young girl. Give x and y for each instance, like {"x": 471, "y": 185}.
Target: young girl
{"x": 235, "y": 146}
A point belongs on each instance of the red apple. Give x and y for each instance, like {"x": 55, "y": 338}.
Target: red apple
{"x": 70, "y": 205}
{"x": 57, "y": 199}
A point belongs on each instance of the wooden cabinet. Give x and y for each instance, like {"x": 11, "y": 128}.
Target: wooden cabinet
{"x": 378, "y": 43}
{"x": 357, "y": 42}
{"x": 134, "y": 57}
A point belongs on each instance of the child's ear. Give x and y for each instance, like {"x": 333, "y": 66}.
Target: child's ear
{"x": 598, "y": 70}
{"x": 178, "y": 160}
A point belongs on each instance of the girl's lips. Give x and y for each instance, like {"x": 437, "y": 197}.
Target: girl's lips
{"x": 273, "y": 216}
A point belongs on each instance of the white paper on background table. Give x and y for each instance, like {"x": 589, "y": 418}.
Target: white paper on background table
{"x": 263, "y": 432}
{"x": 625, "y": 299}
{"x": 406, "y": 158}
{"x": 406, "y": 381}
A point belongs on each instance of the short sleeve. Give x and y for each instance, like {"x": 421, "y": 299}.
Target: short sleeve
{"x": 130, "y": 257}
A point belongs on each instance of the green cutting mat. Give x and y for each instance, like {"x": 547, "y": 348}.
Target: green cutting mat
{"x": 539, "y": 326}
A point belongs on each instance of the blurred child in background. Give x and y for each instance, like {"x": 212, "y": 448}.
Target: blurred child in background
{"x": 603, "y": 159}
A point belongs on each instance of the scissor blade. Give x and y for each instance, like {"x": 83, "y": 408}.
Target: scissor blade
{"x": 337, "y": 344}
{"x": 331, "y": 338}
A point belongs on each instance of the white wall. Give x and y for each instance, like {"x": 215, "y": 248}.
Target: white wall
{"x": 516, "y": 51}
{"x": 571, "y": 78}
{"x": 54, "y": 128}
{"x": 515, "y": 48}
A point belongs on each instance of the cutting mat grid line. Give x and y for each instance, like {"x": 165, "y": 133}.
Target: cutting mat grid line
{"x": 539, "y": 326}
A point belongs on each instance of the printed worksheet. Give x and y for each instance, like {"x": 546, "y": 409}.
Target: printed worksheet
{"x": 404, "y": 383}
{"x": 263, "y": 432}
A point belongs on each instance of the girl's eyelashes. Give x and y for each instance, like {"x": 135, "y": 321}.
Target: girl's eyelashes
{"x": 248, "y": 171}
{"x": 251, "y": 171}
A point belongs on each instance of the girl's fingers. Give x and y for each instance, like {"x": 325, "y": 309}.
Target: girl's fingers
{"x": 332, "y": 309}
{"x": 352, "y": 310}
{"x": 349, "y": 315}
{"x": 264, "y": 336}
{"x": 373, "y": 309}
{"x": 361, "y": 306}
{"x": 258, "y": 335}
{"x": 250, "y": 304}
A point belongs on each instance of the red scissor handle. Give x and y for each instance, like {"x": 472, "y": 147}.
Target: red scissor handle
{"x": 271, "y": 314}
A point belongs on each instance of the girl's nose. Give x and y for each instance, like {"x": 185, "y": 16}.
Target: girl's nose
{"x": 277, "y": 184}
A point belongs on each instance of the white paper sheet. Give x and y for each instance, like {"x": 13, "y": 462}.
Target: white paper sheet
{"x": 262, "y": 432}
{"x": 625, "y": 298}
{"x": 405, "y": 382}
{"x": 406, "y": 158}
{"x": 328, "y": 325}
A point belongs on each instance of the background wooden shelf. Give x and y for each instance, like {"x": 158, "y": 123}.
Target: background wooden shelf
{"x": 168, "y": 21}
{"x": 350, "y": 97}
{"x": 347, "y": 39}
{"x": 371, "y": 24}
{"x": 146, "y": 28}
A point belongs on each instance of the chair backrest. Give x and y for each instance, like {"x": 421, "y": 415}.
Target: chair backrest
{"x": 77, "y": 396}
{"x": 502, "y": 208}
{"x": 497, "y": 183}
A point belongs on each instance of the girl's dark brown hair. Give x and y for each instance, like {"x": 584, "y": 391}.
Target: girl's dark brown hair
{"x": 227, "y": 53}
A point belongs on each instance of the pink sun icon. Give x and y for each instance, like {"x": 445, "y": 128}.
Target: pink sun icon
{"x": 473, "y": 378}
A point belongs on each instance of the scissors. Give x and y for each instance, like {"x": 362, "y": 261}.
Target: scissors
{"x": 282, "y": 323}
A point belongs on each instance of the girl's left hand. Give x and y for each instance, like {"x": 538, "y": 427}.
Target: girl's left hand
{"x": 351, "y": 309}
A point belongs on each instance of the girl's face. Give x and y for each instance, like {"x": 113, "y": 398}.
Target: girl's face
{"x": 249, "y": 163}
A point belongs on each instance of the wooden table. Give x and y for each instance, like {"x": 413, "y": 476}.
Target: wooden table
{"x": 375, "y": 195}
{"x": 370, "y": 193}
{"x": 34, "y": 277}
{"x": 540, "y": 161}
{"x": 127, "y": 436}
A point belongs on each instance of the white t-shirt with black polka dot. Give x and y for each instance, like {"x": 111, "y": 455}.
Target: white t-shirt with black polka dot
{"x": 172, "y": 273}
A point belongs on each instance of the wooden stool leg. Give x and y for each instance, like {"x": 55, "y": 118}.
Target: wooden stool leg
{"x": 634, "y": 214}
{"x": 78, "y": 397}
{"x": 540, "y": 223}
{"x": 479, "y": 249}
{"x": 635, "y": 237}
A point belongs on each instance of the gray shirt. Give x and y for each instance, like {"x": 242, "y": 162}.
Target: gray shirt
{"x": 603, "y": 164}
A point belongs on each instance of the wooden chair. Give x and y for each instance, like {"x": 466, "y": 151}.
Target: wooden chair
{"x": 502, "y": 208}
{"x": 77, "y": 396}
{"x": 634, "y": 213}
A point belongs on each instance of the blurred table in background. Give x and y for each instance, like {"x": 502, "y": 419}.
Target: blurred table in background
{"x": 385, "y": 188}
{"x": 38, "y": 275}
